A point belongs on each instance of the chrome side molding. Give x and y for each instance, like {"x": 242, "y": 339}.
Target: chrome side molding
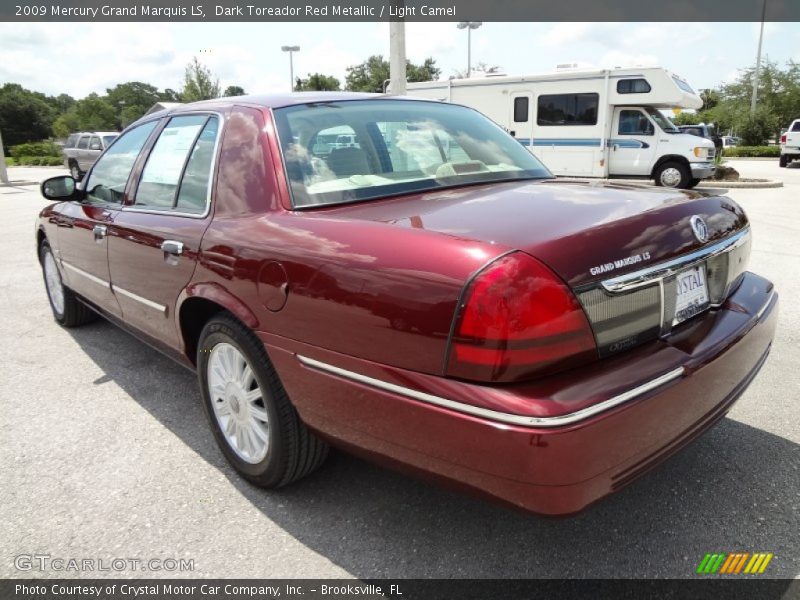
{"x": 493, "y": 415}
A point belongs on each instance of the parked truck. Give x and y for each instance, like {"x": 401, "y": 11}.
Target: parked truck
{"x": 592, "y": 123}
{"x": 790, "y": 144}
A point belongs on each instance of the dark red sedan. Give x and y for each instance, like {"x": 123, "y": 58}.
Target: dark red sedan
{"x": 425, "y": 294}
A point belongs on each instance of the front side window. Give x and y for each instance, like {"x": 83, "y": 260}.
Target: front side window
{"x": 83, "y": 143}
{"x": 633, "y": 86}
{"x": 182, "y": 155}
{"x": 110, "y": 174}
{"x": 395, "y": 147}
{"x": 567, "y": 109}
{"x": 634, "y": 122}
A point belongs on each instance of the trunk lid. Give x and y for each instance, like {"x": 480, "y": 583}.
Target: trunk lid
{"x": 585, "y": 232}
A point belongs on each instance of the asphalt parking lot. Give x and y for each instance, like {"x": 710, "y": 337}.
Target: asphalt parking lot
{"x": 105, "y": 453}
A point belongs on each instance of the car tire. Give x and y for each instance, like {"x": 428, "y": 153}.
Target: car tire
{"x": 693, "y": 183}
{"x": 68, "y": 311}
{"x": 75, "y": 171}
{"x": 783, "y": 161}
{"x": 252, "y": 419}
{"x": 673, "y": 174}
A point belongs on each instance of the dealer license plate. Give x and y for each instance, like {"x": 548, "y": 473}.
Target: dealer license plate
{"x": 692, "y": 293}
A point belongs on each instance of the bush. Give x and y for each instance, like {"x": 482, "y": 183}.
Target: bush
{"x": 35, "y": 149}
{"x": 10, "y": 162}
{"x": 40, "y": 161}
{"x": 752, "y": 151}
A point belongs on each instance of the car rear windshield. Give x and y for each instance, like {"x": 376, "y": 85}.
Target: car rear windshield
{"x": 393, "y": 147}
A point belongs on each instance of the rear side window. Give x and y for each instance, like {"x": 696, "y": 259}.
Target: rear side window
{"x": 796, "y": 126}
{"x": 94, "y": 143}
{"x": 177, "y": 171}
{"x": 83, "y": 143}
{"x": 71, "y": 141}
{"x": 633, "y": 86}
{"x": 568, "y": 109}
{"x": 521, "y": 109}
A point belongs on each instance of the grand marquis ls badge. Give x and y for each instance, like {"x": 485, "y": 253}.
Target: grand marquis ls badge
{"x": 699, "y": 228}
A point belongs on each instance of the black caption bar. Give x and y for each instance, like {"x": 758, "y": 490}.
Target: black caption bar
{"x": 399, "y": 589}
{"x": 410, "y": 10}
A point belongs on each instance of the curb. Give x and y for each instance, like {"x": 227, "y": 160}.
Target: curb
{"x": 727, "y": 158}
{"x": 755, "y": 185}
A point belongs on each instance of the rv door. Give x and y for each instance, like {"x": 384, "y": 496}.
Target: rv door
{"x": 633, "y": 143}
{"x": 520, "y": 118}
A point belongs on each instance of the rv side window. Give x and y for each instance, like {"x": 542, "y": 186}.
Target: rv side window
{"x": 568, "y": 109}
{"x": 521, "y": 109}
{"x": 633, "y": 86}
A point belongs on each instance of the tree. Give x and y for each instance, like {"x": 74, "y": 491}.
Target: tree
{"x": 169, "y": 95}
{"x": 317, "y": 82}
{"x": 199, "y": 83}
{"x": 95, "y": 113}
{"x": 234, "y": 90}
{"x": 132, "y": 100}
{"x": 24, "y": 115}
{"x": 371, "y": 75}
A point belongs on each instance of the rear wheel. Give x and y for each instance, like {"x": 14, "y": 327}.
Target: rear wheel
{"x": 783, "y": 161}
{"x": 67, "y": 309}
{"x": 252, "y": 419}
{"x": 673, "y": 174}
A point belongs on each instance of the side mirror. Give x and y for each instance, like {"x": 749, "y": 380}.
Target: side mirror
{"x": 62, "y": 187}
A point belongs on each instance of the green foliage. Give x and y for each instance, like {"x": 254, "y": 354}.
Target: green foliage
{"x": 370, "y": 75}
{"x": 10, "y": 162}
{"x": 24, "y": 115}
{"x": 40, "y": 161}
{"x": 95, "y": 113}
{"x": 131, "y": 100}
{"x": 199, "y": 83}
{"x": 752, "y": 151}
{"x": 686, "y": 118}
{"x": 35, "y": 149}
{"x": 317, "y": 82}
{"x": 234, "y": 90}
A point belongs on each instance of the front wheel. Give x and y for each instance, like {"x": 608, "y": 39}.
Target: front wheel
{"x": 673, "y": 174}
{"x": 693, "y": 183}
{"x": 252, "y": 419}
{"x": 67, "y": 309}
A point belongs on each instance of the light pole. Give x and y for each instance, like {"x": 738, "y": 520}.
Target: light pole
{"x": 291, "y": 50}
{"x": 469, "y": 26}
{"x": 754, "y": 98}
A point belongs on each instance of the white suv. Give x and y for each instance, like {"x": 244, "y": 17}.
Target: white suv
{"x": 790, "y": 144}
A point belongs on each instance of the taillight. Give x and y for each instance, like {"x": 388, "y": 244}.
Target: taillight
{"x": 518, "y": 319}
{"x": 783, "y": 139}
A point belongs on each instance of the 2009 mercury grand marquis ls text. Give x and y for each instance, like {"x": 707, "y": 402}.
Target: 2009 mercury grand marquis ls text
{"x": 426, "y": 295}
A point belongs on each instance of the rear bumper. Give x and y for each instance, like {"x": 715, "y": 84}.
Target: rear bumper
{"x": 533, "y": 461}
{"x": 702, "y": 170}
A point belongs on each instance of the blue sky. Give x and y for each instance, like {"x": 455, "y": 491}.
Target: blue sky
{"x": 86, "y": 57}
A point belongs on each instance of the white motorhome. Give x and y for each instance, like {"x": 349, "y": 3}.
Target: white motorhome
{"x": 591, "y": 123}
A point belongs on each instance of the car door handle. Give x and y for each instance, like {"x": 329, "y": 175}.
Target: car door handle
{"x": 172, "y": 247}
{"x": 100, "y": 232}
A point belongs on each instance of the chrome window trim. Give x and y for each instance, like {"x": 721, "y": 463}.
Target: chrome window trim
{"x": 650, "y": 275}
{"x": 211, "y": 177}
{"x": 493, "y": 415}
{"x": 89, "y": 276}
{"x": 149, "y": 303}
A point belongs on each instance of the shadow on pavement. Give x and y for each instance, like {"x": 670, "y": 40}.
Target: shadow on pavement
{"x": 735, "y": 489}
